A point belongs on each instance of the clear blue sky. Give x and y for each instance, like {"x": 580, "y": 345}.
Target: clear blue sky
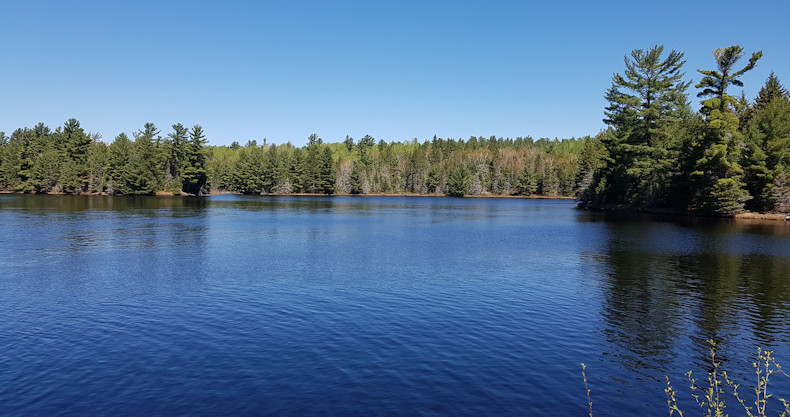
{"x": 396, "y": 70}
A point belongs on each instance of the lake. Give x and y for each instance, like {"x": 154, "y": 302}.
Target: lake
{"x": 402, "y": 306}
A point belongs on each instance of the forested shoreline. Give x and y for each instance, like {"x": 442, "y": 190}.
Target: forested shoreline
{"x": 657, "y": 154}
{"x": 69, "y": 160}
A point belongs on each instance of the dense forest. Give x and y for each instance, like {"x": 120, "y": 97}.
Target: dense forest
{"x": 657, "y": 154}
{"x": 660, "y": 155}
{"x": 69, "y": 160}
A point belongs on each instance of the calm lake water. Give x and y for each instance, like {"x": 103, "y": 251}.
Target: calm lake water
{"x": 343, "y": 306}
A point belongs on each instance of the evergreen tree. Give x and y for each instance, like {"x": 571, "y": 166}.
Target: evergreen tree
{"x": 772, "y": 90}
{"x": 98, "y": 166}
{"x": 175, "y": 147}
{"x": 46, "y": 172}
{"x": 120, "y": 171}
{"x": 364, "y": 146}
{"x": 719, "y": 177}
{"x": 248, "y": 170}
{"x": 592, "y": 158}
{"x": 458, "y": 181}
{"x": 326, "y": 172}
{"x": 297, "y": 171}
{"x": 767, "y": 151}
{"x": 715, "y": 83}
{"x": 527, "y": 181}
{"x": 313, "y": 165}
{"x": 11, "y": 163}
{"x": 357, "y": 174}
{"x": 143, "y": 178}
{"x": 270, "y": 171}
{"x": 194, "y": 171}
{"x": 44, "y": 159}
{"x": 643, "y": 103}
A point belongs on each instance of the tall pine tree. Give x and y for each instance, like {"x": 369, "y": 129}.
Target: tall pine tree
{"x": 643, "y": 103}
{"x": 718, "y": 176}
{"x": 194, "y": 171}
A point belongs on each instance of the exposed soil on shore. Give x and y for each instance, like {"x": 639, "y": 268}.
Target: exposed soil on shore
{"x": 762, "y": 216}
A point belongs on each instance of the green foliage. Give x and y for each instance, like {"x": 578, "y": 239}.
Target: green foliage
{"x": 720, "y": 188}
{"x": 727, "y": 196}
{"x": 120, "y": 165}
{"x": 77, "y": 143}
{"x": 248, "y": 170}
{"x": 767, "y": 138}
{"x": 458, "y": 182}
{"x": 771, "y": 91}
{"x": 143, "y": 164}
{"x": 364, "y": 146}
{"x": 46, "y": 172}
{"x": 194, "y": 171}
{"x": 175, "y": 147}
{"x": 98, "y": 167}
{"x": 714, "y": 84}
{"x": 655, "y": 154}
{"x": 527, "y": 182}
{"x": 358, "y": 179}
{"x": 639, "y": 157}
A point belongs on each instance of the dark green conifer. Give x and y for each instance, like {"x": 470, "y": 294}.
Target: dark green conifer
{"x": 643, "y": 103}
{"x": 717, "y": 174}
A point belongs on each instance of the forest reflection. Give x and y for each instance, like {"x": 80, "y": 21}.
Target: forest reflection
{"x": 668, "y": 287}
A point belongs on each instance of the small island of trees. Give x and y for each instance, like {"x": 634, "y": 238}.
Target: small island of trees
{"x": 657, "y": 153}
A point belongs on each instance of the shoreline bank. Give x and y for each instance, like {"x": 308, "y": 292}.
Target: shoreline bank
{"x": 219, "y": 192}
{"x": 743, "y": 216}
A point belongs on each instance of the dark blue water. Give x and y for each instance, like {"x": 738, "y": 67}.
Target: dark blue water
{"x": 374, "y": 306}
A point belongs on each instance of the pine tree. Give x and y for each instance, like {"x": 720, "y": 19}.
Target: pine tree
{"x": 642, "y": 104}
{"x": 355, "y": 181}
{"x": 767, "y": 137}
{"x": 144, "y": 162}
{"x": 296, "y": 171}
{"x": 458, "y": 181}
{"x": 526, "y": 182}
{"x": 77, "y": 143}
{"x": 771, "y": 91}
{"x": 248, "y": 170}
{"x": 176, "y": 149}
{"x": 364, "y": 146}
{"x": 98, "y": 166}
{"x": 326, "y": 172}
{"x": 194, "y": 171}
{"x": 120, "y": 158}
{"x": 719, "y": 177}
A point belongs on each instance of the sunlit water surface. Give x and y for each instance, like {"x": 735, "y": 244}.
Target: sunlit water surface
{"x": 344, "y": 306}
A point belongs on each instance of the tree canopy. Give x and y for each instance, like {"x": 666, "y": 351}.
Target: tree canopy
{"x": 656, "y": 153}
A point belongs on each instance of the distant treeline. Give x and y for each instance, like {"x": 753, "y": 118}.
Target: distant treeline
{"x": 69, "y": 160}
{"x": 441, "y": 166}
{"x": 657, "y": 153}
